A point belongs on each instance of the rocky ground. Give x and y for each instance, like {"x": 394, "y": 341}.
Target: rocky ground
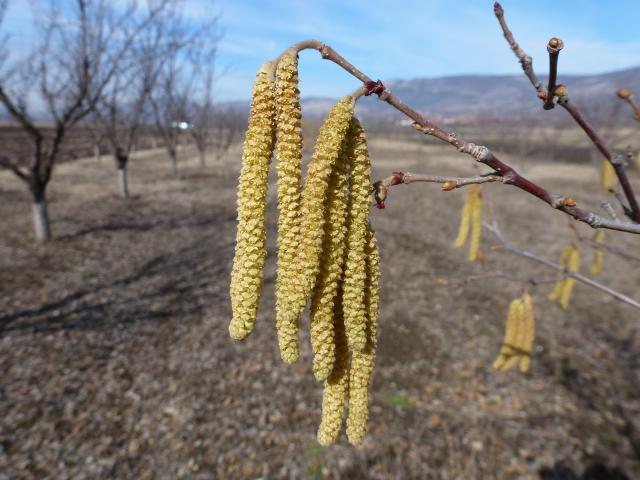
{"x": 116, "y": 362}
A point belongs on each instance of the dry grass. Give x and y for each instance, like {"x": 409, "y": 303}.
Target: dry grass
{"x": 117, "y": 363}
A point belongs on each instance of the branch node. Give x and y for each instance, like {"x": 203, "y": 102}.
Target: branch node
{"x": 617, "y": 159}
{"x": 374, "y": 87}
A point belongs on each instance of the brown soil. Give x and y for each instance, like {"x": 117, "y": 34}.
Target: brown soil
{"x": 116, "y": 362}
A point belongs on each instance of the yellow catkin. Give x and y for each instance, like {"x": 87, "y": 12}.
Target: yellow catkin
{"x": 355, "y": 269}
{"x": 289, "y": 160}
{"x": 248, "y": 263}
{"x": 329, "y": 146}
{"x": 332, "y": 264}
{"x": 476, "y": 223}
{"x": 510, "y": 335}
{"x": 564, "y": 262}
{"x": 465, "y": 221}
{"x": 607, "y": 175}
{"x": 574, "y": 266}
{"x": 598, "y": 257}
{"x": 362, "y": 363}
{"x": 336, "y": 386}
{"x": 528, "y": 332}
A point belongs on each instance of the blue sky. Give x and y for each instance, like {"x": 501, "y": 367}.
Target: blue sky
{"x": 405, "y": 39}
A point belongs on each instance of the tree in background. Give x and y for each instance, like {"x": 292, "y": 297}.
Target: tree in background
{"x": 184, "y": 67}
{"x": 76, "y": 57}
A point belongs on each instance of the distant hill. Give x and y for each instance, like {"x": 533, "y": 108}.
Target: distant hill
{"x": 497, "y": 98}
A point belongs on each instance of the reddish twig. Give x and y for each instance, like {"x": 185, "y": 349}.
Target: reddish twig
{"x": 481, "y": 153}
{"x": 553, "y": 47}
{"x": 566, "y": 103}
{"x": 626, "y": 95}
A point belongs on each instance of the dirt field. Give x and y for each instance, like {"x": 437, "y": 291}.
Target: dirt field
{"x": 116, "y": 361}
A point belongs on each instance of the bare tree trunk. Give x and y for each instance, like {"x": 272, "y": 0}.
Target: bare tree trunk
{"x": 41, "y": 220}
{"x": 174, "y": 160}
{"x": 96, "y": 152}
{"x": 154, "y": 142}
{"x": 202, "y": 157}
{"x": 123, "y": 182}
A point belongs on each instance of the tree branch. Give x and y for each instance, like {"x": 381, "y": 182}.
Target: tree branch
{"x": 493, "y": 228}
{"x": 565, "y": 102}
{"x": 480, "y": 153}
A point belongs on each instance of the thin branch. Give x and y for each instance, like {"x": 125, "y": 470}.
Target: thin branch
{"x": 553, "y": 47}
{"x": 626, "y": 95}
{"x": 5, "y": 163}
{"x": 501, "y": 275}
{"x": 481, "y": 153}
{"x": 493, "y": 228}
{"x": 566, "y": 103}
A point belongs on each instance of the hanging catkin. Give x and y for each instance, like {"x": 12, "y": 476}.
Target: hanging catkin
{"x": 331, "y": 269}
{"x": 607, "y": 175}
{"x": 248, "y": 263}
{"x": 528, "y": 332}
{"x": 598, "y": 256}
{"x": 329, "y": 145}
{"x": 471, "y": 220}
{"x": 556, "y": 293}
{"x": 574, "y": 266}
{"x": 476, "y": 223}
{"x": 510, "y": 335}
{"x": 289, "y": 160}
{"x": 355, "y": 266}
{"x": 519, "y": 336}
{"x": 336, "y": 386}
{"x": 362, "y": 363}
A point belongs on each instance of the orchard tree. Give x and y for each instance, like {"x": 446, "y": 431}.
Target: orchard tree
{"x": 212, "y": 127}
{"x": 184, "y": 63}
{"x": 327, "y": 251}
{"x": 75, "y": 59}
{"x": 121, "y": 109}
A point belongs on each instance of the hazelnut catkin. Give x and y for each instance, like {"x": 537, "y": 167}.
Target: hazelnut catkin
{"x": 362, "y": 363}
{"x": 289, "y": 160}
{"x": 471, "y": 220}
{"x": 528, "y": 332}
{"x": 598, "y": 257}
{"x": 465, "y": 221}
{"x": 248, "y": 263}
{"x": 564, "y": 262}
{"x": 331, "y": 270}
{"x": 355, "y": 265}
{"x": 336, "y": 385}
{"x": 510, "y": 336}
{"x": 574, "y": 266}
{"x": 476, "y": 223}
{"x": 329, "y": 146}
{"x": 607, "y": 175}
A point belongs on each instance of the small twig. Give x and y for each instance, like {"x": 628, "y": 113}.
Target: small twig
{"x": 502, "y": 275}
{"x": 566, "y": 103}
{"x": 493, "y": 228}
{"x": 626, "y": 95}
{"x": 553, "y": 47}
{"x": 609, "y": 209}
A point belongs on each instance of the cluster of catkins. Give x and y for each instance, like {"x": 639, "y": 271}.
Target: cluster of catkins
{"x": 327, "y": 252}
{"x": 569, "y": 259}
{"x": 471, "y": 220}
{"x": 519, "y": 335}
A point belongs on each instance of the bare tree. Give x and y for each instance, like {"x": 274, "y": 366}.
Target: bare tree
{"x": 120, "y": 116}
{"x": 76, "y": 58}
{"x": 212, "y": 127}
{"x": 186, "y": 61}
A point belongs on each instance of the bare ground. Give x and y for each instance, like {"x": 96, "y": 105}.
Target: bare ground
{"x": 116, "y": 362}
